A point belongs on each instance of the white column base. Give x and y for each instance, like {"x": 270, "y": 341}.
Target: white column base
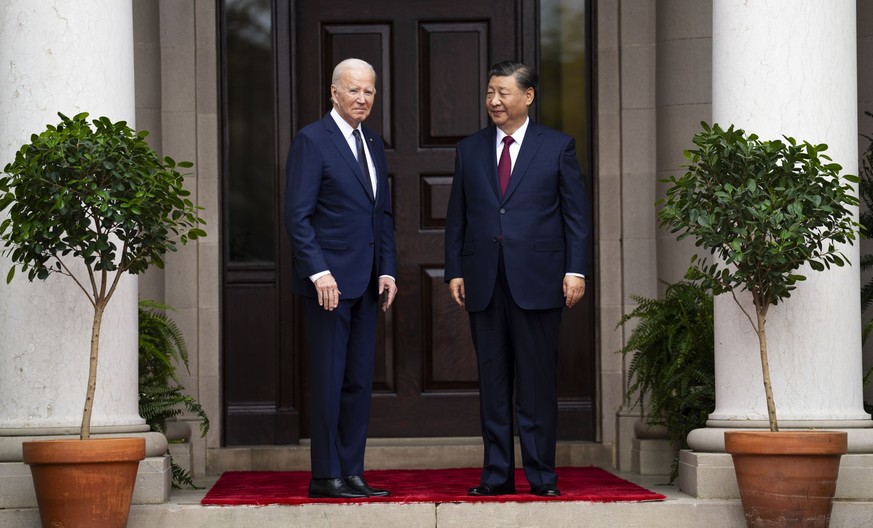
{"x": 153, "y": 483}
{"x": 153, "y": 478}
{"x": 707, "y": 475}
{"x": 707, "y": 472}
{"x": 711, "y": 476}
{"x": 711, "y": 439}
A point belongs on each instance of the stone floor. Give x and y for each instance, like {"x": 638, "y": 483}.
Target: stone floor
{"x": 677, "y": 511}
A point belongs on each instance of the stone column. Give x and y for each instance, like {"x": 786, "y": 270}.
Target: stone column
{"x": 788, "y": 68}
{"x": 70, "y": 57}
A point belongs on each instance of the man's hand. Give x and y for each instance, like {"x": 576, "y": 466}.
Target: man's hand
{"x": 574, "y": 289}
{"x": 456, "y": 289}
{"x": 386, "y": 283}
{"x": 327, "y": 292}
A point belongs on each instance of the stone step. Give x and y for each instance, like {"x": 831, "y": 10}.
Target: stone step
{"x": 678, "y": 511}
{"x": 397, "y": 453}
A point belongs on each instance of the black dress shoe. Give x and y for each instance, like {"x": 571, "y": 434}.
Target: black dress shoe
{"x": 359, "y": 484}
{"x": 333, "y": 488}
{"x": 489, "y": 490}
{"x": 546, "y": 490}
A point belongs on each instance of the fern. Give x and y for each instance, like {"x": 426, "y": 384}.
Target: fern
{"x": 161, "y": 395}
{"x": 182, "y": 477}
{"x": 672, "y": 368}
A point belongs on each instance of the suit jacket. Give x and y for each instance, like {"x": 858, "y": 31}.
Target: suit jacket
{"x": 330, "y": 214}
{"x": 542, "y": 221}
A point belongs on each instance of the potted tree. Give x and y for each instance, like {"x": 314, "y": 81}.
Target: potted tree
{"x": 763, "y": 210}
{"x": 90, "y": 201}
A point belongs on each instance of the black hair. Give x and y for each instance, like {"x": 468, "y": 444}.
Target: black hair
{"x": 525, "y": 77}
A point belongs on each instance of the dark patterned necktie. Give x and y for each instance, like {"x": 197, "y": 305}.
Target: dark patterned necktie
{"x": 362, "y": 158}
{"x": 504, "y": 166}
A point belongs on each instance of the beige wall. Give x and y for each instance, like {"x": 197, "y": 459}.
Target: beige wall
{"x": 665, "y": 85}
{"x": 625, "y": 222}
{"x": 177, "y": 101}
{"x": 661, "y": 71}
{"x": 684, "y": 99}
{"x": 653, "y": 62}
{"x": 607, "y": 209}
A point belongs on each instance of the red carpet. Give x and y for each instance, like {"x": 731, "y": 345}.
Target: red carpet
{"x": 433, "y": 485}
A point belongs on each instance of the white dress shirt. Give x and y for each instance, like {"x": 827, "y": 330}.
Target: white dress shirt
{"x": 346, "y": 131}
{"x": 515, "y": 146}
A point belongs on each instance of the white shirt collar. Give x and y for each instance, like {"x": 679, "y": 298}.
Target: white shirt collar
{"x": 517, "y": 136}
{"x": 344, "y": 127}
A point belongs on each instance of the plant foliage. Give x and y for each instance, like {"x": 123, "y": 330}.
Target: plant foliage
{"x": 763, "y": 209}
{"x": 98, "y": 194}
{"x": 161, "y": 395}
{"x": 672, "y": 366}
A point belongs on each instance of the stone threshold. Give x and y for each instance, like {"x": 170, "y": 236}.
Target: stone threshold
{"x": 397, "y": 453}
{"x": 677, "y": 511}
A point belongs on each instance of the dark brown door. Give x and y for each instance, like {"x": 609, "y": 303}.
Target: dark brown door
{"x": 431, "y": 59}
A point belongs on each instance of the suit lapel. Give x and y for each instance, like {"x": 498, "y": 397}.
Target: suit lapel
{"x": 345, "y": 152}
{"x": 529, "y": 147}
{"x": 489, "y": 159}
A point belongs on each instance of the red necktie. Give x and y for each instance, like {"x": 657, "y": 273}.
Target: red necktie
{"x": 504, "y": 166}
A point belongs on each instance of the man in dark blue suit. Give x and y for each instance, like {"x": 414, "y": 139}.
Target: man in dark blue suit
{"x": 517, "y": 251}
{"x": 338, "y": 217}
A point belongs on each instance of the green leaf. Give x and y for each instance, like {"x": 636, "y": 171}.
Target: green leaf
{"x": 79, "y": 185}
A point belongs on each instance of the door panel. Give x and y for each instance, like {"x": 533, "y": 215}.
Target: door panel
{"x": 431, "y": 59}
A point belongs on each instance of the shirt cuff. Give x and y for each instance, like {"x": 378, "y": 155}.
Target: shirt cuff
{"x": 388, "y": 277}
{"x": 575, "y": 274}
{"x": 315, "y": 276}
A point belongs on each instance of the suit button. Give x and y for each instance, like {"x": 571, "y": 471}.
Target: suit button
{"x": 372, "y": 244}
{"x": 502, "y": 211}
{"x": 494, "y": 240}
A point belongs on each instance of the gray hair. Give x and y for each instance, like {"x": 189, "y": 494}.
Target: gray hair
{"x": 525, "y": 77}
{"x": 350, "y": 64}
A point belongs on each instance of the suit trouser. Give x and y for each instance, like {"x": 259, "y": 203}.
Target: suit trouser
{"x": 517, "y": 347}
{"x": 341, "y": 349}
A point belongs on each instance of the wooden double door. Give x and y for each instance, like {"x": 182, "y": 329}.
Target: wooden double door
{"x": 431, "y": 59}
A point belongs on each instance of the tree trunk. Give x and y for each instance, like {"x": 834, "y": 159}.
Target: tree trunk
{"x": 99, "y": 306}
{"x": 765, "y": 367}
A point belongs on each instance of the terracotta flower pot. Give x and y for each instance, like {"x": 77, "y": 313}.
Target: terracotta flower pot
{"x": 84, "y": 483}
{"x": 787, "y": 478}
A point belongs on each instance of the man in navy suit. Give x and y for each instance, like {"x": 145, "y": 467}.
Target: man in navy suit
{"x": 517, "y": 251}
{"x": 338, "y": 217}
